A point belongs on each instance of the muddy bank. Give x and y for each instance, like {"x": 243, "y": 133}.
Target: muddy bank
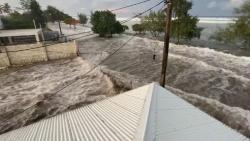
{"x": 32, "y": 93}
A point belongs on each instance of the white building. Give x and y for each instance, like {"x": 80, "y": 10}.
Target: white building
{"x": 19, "y": 36}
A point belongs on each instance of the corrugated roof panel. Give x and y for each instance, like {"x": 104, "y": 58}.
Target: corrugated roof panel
{"x": 85, "y": 125}
{"x": 54, "y": 129}
{"x": 27, "y": 133}
{"x": 147, "y": 113}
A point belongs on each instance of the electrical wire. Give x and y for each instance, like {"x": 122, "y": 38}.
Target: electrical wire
{"x": 93, "y": 68}
{"x": 129, "y": 19}
{"x": 130, "y": 5}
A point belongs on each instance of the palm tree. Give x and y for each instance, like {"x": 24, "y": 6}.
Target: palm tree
{"x": 5, "y": 8}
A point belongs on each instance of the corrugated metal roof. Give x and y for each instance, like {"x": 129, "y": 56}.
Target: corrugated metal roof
{"x": 147, "y": 113}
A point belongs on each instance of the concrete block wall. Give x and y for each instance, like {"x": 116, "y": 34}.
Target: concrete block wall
{"x": 32, "y": 53}
{"x": 63, "y": 50}
{"x": 26, "y": 54}
{"x": 4, "y": 60}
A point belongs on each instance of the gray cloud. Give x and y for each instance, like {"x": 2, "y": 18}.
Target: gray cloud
{"x": 72, "y": 7}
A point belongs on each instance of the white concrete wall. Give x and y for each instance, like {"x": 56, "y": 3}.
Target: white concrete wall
{"x": 27, "y": 54}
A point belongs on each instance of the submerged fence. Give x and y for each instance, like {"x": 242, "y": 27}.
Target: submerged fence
{"x": 32, "y": 53}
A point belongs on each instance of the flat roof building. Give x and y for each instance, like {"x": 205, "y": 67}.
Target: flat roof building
{"x": 18, "y": 36}
{"x": 149, "y": 113}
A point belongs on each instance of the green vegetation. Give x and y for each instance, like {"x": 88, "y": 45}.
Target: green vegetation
{"x": 31, "y": 12}
{"x": 139, "y": 28}
{"x": 239, "y": 32}
{"x": 37, "y": 14}
{"x": 18, "y": 21}
{"x": 105, "y": 24}
{"x": 154, "y": 23}
{"x": 52, "y": 14}
{"x": 82, "y": 18}
{"x": 5, "y": 8}
{"x": 184, "y": 26}
{"x": 25, "y": 5}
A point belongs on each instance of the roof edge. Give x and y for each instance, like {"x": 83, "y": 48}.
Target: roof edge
{"x": 143, "y": 123}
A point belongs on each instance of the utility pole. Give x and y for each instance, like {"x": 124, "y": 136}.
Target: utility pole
{"x": 168, "y": 10}
{"x": 60, "y": 28}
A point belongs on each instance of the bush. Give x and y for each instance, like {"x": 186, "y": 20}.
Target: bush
{"x": 138, "y": 28}
{"x": 18, "y": 21}
{"x": 105, "y": 24}
{"x": 83, "y": 18}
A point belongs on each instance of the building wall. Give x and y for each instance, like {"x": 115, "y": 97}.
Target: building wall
{"x": 32, "y": 53}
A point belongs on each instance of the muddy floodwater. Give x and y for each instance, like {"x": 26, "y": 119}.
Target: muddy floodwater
{"x": 211, "y": 80}
{"x": 43, "y": 90}
{"x": 202, "y": 71}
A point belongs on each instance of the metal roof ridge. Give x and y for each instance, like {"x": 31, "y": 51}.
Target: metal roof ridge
{"x": 140, "y": 134}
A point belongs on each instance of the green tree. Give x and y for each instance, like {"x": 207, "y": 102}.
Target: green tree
{"x": 25, "y": 5}
{"x": 240, "y": 30}
{"x": 52, "y": 14}
{"x": 5, "y": 8}
{"x": 125, "y": 27}
{"x": 37, "y": 13}
{"x": 68, "y": 21}
{"x": 17, "y": 21}
{"x": 105, "y": 23}
{"x": 83, "y": 18}
{"x": 155, "y": 23}
{"x": 139, "y": 28}
{"x": 118, "y": 28}
{"x": 184, "y": 26}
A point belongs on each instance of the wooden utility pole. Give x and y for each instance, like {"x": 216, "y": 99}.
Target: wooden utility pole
{"x": 168, "y": 10}
{"x": 60, "y": 28}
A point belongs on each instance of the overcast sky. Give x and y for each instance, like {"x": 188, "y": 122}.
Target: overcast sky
{"x": 72, "y": 7}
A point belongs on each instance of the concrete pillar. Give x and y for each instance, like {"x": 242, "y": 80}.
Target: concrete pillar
{"x": 10, "y": 40}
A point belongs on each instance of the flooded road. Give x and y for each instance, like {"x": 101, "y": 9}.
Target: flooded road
{"x": 202, "y": 71}
{"x": 216, "y": 82}
{"x": 31, "y": 93}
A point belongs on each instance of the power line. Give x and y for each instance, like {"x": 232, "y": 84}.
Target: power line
{"x": 129, "y": 19}
{"x": 129, "y": 5}
{"x": 66, "y": 36}
{"x": 95, "y": 66}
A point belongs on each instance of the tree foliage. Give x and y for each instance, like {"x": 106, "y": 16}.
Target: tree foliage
{"x": 154, "y": 23}
{"x": 5, "y": 8}
{"x": 37, "y": 13}
{"x": 52, "y": 14}
{"x": 18, "y": 21}
{"x": 105, "y": 23}
{"x": 184, "y": 26}
{"x": 82, "y": 18}
{"x": 240, "y": 30}
{"x": 25, "y": 5}
{"x": 139, "y": 28}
